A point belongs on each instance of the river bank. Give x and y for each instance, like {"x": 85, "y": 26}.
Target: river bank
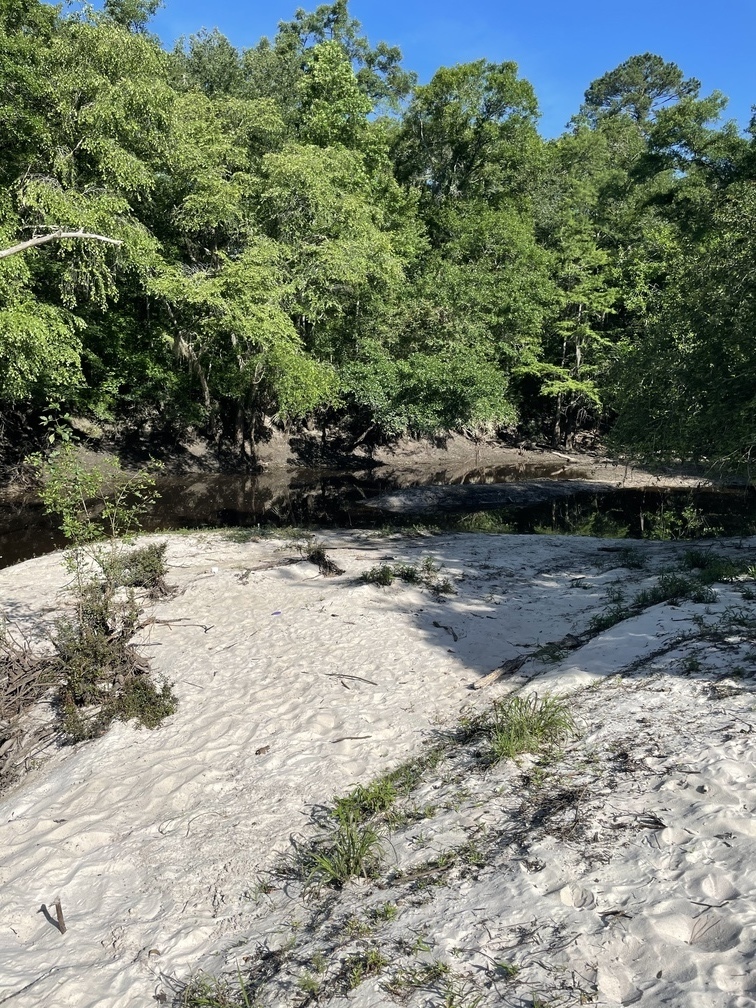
{"x": 617, "y": 499}
{"x": 616, "y": 865}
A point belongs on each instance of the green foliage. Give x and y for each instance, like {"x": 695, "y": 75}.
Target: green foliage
{"x": 676, "y": 520}
{"x": 288, "y": 249}
{"x": 525, "y": 724}
{"x": 426, "y": 394}
{"x": 470, "y": 131}
{"x": 132, "y": 14}
{"x": 364, "y": 964}
{"x": 140, "y": 567}
{"x": 101, "y": 676}
{"x": 712, "y": 568}
{"x": 94, "y": 501}
{"x": 671, "y": 587}
{"x": 334, "y": 110}
{"x": 425, "y": 573}
{"x": 687, "y": 388}
{"x": 365, "y": 802}
{"x": 639, "y": 88}
{"x": 352, "y": 850}
{"x": 674, "y": 588}
{"x": 204, "y": 991}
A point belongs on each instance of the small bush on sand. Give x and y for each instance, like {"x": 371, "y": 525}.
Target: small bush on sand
{"x": 141, "y": 567}
{"x": 101, "y": 674}
{"x": 425, "y": 573}
{"x": 383, "y": 575}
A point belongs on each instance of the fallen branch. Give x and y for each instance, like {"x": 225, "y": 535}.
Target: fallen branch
{"x": 507, "y": 668}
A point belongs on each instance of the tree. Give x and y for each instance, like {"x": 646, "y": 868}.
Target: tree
{"x": 209, "y": 62}
{"x": 132, "y": 14}
{"x": 640, "y": 87}
{"x": 687, "y": 388}
{"x": 470, "y": 132}
{"x": 333, "y": 109}
{"x": 378, "y": 70}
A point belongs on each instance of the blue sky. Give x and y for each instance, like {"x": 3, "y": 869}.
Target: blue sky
{"x": 559, "y": 45}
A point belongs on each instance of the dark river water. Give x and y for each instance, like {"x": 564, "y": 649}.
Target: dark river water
{"x": 309, "y": 498}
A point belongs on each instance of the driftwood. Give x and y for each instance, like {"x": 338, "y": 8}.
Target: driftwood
{"x": 570, "y": 642}
{"x": 482, "y": 496}
{"x": 55, "y": 236}
{"x": 506, "y": 668}
{"x": 59, "y": 916}
{"x": 25, "y": 676}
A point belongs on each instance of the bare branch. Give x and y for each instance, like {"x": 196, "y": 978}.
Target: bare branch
{"x": 55, "y": 236}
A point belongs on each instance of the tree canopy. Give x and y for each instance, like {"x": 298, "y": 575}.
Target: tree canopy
{"x": 299, "y": 231}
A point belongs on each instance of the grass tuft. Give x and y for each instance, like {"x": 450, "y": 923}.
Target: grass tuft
{"x": 425, "y": 574}
{"x": 525, "y": 724}
{"x": 518, "y": 725}
{"x": 204, "y": 991}
{"x": 352, "y": 850}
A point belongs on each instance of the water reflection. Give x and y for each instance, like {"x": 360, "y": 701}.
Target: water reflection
{"x": 336, "y": 499}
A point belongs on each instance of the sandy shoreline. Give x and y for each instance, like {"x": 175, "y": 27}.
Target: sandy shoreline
{"x": 294, "y": 688}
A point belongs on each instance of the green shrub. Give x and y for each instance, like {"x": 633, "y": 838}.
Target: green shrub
{"x": 101, "y": 675}
{"x": 142, "y": 567}
{"x": 352, "y": 850}
{"x": 525, "y": 724}
{"x": 425, "y": 573}
{"x": 383, "y": 575}
{"x": 365, "y": 802}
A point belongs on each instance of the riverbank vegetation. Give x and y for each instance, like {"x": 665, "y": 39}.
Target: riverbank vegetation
{"x": 308, "y": 236}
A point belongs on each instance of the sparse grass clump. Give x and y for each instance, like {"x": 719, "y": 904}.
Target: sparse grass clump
{"x": 420, "y": 976}
{"x": 205, "y": 991}
{"x": 352, "y": 850}
{"x": 674, "y": 588}
{"x": 552, "y": 652}
{"x": 526, "y": 724}
{"x": 712, "y": 568}
{"x": 517, "y": 725}
{"x": 671, "y": 587}
{"x": 365, "y": 802}
{"x": 364, "y": 964}
{"x": 425, "y": 574}
{"x": 315, "y": 553}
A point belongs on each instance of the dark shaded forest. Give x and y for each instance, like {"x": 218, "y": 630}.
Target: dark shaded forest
{"x": 309, "y": 236}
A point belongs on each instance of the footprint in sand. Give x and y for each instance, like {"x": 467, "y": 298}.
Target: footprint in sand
{"x": 615, "y": 984}
{"x": 671, "y": 836}
{"x": 672, "y": 926}
{"x": 713, "y": 932}
{"x": 735, "y": 980}
{"x": 576, "y": 896}
{"x": 719, "y": 888}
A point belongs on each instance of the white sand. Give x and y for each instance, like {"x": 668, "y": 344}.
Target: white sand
{"x": 294, "y": 687}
